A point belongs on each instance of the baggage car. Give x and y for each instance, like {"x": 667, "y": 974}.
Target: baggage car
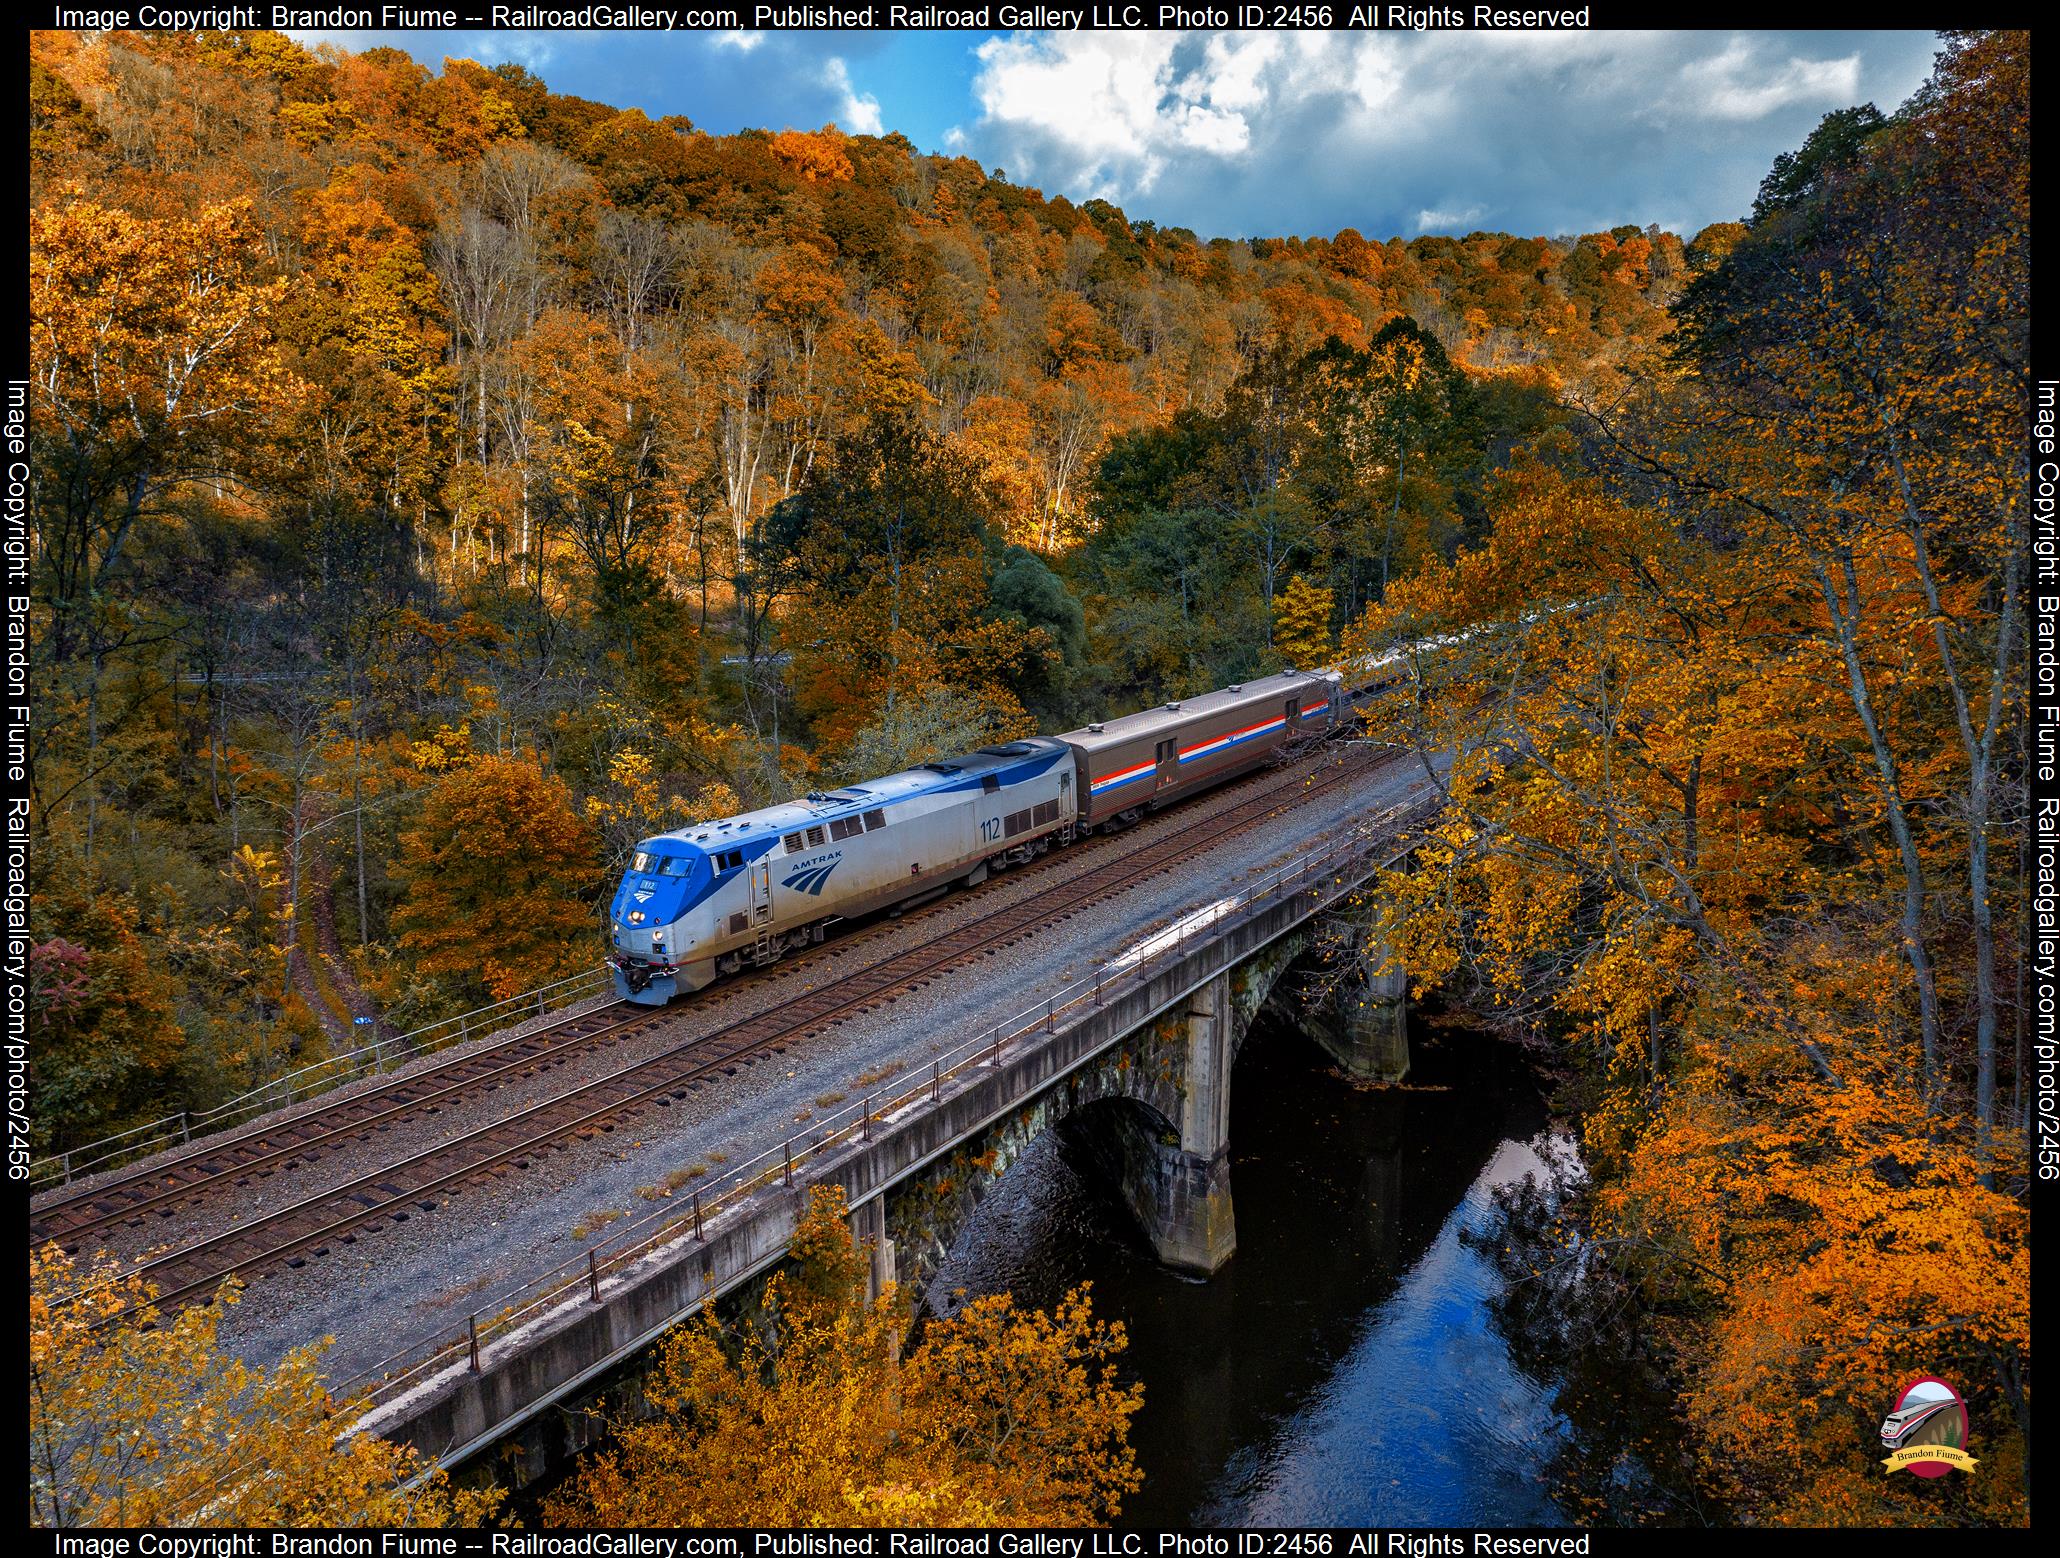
{"x": 1154, "y": 757}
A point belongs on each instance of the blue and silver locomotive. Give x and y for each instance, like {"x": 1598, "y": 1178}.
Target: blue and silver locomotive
{"x": 719, "y": 896}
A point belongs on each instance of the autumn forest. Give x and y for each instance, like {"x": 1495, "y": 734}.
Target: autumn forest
{"x": 442, "y": 483}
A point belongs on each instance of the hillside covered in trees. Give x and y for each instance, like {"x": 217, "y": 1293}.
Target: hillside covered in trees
{"x": 442, "y": 483}
{"x": 416, "y": 454}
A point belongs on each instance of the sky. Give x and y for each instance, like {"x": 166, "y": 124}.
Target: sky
{"x": 1242, "y": 134}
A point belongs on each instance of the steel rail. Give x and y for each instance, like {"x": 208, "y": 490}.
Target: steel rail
{"x": 385, "y": 1193}
{"x": 132, "y": 1197}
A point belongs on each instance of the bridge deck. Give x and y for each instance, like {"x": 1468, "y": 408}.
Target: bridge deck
{"x": 408, "y": 1285}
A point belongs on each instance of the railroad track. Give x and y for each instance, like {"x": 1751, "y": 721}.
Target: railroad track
{"x": 396, "y": 1191}
{"x": 240, "y": 1161}
{"x": 236, "y": 1161}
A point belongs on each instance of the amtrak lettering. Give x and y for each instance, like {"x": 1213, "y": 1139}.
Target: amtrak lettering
{"x": 810, "y": 878}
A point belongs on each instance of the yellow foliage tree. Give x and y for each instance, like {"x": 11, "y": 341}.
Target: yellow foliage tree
{"x": 141, "y": 1419}
{"x": 813, "y": 1416}
{"x": 1301, "y": 623}
{"x": 1655, "y": 843}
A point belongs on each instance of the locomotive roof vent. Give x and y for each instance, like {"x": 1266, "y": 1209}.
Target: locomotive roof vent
{"x": 1173, "y": 705}
{"x": 1237, "y": 686}
{"x": 1096, "y": 729}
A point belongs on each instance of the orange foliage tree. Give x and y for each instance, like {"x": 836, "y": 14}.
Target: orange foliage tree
{"x": 1659, "y": 845}
{"x": 151, "y": 347}
{"x": 1729, "y": 764}
{"x": 498, "y": 875}
{"x": 137, "y": 1418}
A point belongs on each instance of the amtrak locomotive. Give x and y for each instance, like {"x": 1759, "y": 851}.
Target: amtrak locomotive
{"x": 712, "y": 898}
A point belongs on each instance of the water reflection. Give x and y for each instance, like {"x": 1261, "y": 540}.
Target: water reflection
{"x": 1344, "y": 1368}
{"x": 1424, "y": 1420}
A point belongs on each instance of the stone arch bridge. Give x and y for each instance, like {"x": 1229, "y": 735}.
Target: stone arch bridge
{"x": 1140, "y": 1072}
{"x": 1152, "y": 1111}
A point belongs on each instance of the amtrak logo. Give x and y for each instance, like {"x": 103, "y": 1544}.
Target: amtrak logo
{"x": 642, "y": 897}
{"x": 809, "y": 879}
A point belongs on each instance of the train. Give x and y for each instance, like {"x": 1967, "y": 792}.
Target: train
{"x": 716, "y": 897}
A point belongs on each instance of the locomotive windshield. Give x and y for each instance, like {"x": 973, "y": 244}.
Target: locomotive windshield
{"x": 655, "y": 864}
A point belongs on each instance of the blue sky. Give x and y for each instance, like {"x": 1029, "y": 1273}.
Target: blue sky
{"x": 1237, "y": 134}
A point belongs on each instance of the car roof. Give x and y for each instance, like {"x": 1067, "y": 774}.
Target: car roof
{"x": 818, "y": 807}
{"x": 1260, "y": 690}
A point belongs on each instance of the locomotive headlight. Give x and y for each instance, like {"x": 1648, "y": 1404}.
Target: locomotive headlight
{"x": 636, "y": 916}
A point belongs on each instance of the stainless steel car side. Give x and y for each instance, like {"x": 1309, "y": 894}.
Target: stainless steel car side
{"x": 1154, "y": 757}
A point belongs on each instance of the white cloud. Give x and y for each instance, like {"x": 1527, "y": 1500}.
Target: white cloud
{"x": 858, "y": 113}
{"x": 531, "y": 50}
{"x": 1542, "y": 132}
{"x": 1429, "y": 221}
{"x": 1111, "y": 109}
{"x": 742, "y": 40}
{"x": 1092, "y": 92}
{"x": 1736, "y": 85}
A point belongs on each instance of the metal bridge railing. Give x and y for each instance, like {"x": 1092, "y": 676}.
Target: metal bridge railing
{"x": 141, "y": 1140}
{"x": 1325, "y": 875}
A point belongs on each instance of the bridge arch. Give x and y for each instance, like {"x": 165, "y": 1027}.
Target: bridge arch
{"x": 1151, "y": 1113}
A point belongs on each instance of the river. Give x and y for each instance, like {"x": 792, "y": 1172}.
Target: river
{"x": 1355, "y": 1363}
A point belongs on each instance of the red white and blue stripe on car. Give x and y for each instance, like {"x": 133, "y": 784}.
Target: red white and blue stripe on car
{"x": 1193, "y": 754}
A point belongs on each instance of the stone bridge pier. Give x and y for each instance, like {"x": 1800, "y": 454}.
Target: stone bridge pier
{"x": 1173, "y": 1168}
{"x": 1152, "y": 1114}
{"x": 1363, "y": 1023}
